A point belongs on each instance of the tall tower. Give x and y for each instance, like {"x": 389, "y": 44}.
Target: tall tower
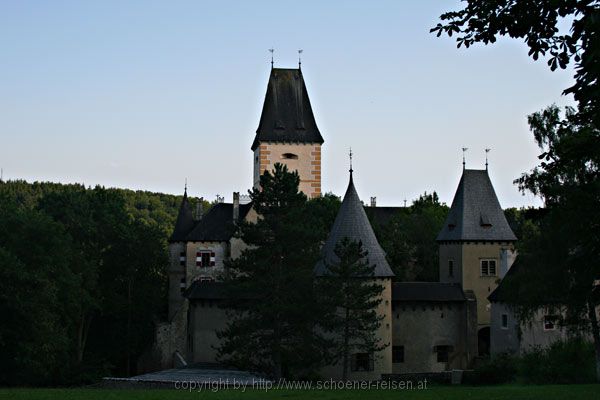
{"x": 475, "y": 243}
{"x": 287, "y": 132}
{"x": 352, "y": 222}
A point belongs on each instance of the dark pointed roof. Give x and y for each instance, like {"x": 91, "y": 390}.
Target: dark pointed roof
{"x": 427, "y": 292}
{"x": 352, "y": 222}
{"x": 217, "y": 225}
{"x": 185, "y": 221}
{"x": 287, "y": 115}
{"x": 476, "y": 213}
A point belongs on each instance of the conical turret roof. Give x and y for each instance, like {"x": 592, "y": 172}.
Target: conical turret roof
{"x": 185, "y": 221}
{"x": 352, "y": 222}
{"x": 475, "y": 214}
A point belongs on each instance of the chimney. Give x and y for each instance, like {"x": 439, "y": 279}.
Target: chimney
{"x": 373, "y": 201}
{"x": 199, "y": 209}
{"x": 236, "y": 206}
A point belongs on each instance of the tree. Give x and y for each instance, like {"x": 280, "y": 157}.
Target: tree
{"x": 567, "y": 177}
{"x": 537, "y": 23}
{"x": 567, "y": 245}
{"x": 351, "y": 299}
{"x": 269, "y": 286}
{"x": 409, "y": 239}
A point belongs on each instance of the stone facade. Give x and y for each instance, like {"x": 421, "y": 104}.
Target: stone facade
{"x": 302, "y": 157}
{"x": 419, "y": 328}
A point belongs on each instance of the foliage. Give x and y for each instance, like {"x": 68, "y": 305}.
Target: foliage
{"x": 409, "y": 239}
{"x": 270, "y": 284}
{"x": 350, "y": 299}
{"x": 501, "y": 368}
{"x": 81, "y": 279}
{"x": 562, "y": 362}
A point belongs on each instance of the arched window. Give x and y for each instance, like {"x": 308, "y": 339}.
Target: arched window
{"x": 289, "y": 156}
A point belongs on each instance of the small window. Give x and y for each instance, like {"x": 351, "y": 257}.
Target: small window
{"x": 442, "y": 353}
{"x": 488, "y": 267}
{"x": 361, "y": 362}
{"x": 397, "y": 354}
{"x": 289, "y": 156}
{"x": 450, "y": 267}
{"x": 504, "y": 321}
{"x": 182, "y": 258}
{"x": 550, "y": 322}
{"x": 182, "y": 285}
{"x": 205, "y": 259}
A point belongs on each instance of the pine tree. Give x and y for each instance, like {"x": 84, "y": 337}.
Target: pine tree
{"x": 350, "y": 299}
{"x": 271, "y": 302}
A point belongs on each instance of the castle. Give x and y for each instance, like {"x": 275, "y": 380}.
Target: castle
{"x": 430, "y": 326}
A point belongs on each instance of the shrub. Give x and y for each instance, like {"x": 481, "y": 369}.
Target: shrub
{"x": 501, "y": 368}
{"x": 569, "y": 361}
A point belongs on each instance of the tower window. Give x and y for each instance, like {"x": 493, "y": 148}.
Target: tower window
{"x": 450, "y": 267}
{"x": 504, "y": 321}
{"x": 488, "y": 267}
{"x": 397, "y": 354}
{"x": 289, "y": 156}
{"x": 550, "y": 322}
{"x": 442, "y": 353}
{"x": 205, "y": 259}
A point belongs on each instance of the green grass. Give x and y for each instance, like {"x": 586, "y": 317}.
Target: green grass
{"x": 508, "y": 392}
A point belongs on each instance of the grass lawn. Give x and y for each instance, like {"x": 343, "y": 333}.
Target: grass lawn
{"x": 508, "y": 392}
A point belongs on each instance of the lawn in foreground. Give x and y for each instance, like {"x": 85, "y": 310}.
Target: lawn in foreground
{"x": 508, "y": 392}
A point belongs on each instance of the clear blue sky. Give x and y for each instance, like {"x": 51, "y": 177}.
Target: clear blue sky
{"x": 142, "y": 94}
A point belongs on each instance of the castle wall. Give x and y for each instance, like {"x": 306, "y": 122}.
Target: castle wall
{"x": 382, "y": 360}
{"x": 194, "y": 272}
{"x": 421, "y": 326}
{"x": 450, "y": 252}
{"x": 482, "y": 286}
{"x": 206, "y": 319}
{"x": 308, "y": 163}
{"x": 176, "y": 273}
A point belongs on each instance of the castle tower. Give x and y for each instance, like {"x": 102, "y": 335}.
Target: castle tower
{"x": 177, "y": 255}
{"x": 475, "y": 243}
{"x": 352, "y": 222}
{"x": 287, "y": 132}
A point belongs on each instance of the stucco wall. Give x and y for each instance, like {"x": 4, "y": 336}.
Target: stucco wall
{"x": 176, "y": 272}
{"x": 382, "y": 360}
{"x": 447, "y": 252}
{"x": 503, "y": 340}
{"x": 308, "y": 163}
{"x": 193, "y": 272}
{"x": 419, "y": 327}
{"x": 482, "y": 286}
{"x": 206, "y": 319}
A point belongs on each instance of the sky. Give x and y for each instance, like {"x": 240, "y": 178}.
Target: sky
{"x": 146, "y": 94}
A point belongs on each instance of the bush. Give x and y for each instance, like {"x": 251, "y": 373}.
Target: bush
{"x": 569, "y": 361}
{"x": 501, "y": 368}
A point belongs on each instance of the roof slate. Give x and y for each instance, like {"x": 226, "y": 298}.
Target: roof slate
{"x": 476, "y": 213}
{"x": 352, "y": 222}
{"x": 427, "y": 292}
{"x": 207, "y": 290}
{"x": 287, "y": 115}
{"x": 185, "y": 221}
{"x": 217, "y": 225}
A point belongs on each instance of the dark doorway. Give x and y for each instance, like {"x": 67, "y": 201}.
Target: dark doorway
{"x": 483, "y": 341}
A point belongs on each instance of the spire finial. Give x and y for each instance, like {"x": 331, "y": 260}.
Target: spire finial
{"x": 272, "y": 50}
{"x": 486, "y": 158}
{"x": 185, "y": 186}
{"x": 350, "y": 154}
{"x": 464, "y": 150}
{"x": 300, "y": 58}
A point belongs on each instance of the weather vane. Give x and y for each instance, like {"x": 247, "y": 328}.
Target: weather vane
{"x": 271, "y": 50}
{"x": 300, "y": 58}
{"x": 464, "y": 150}
{"x": 351, "y": 170}
{"x": 486, "y": 158}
